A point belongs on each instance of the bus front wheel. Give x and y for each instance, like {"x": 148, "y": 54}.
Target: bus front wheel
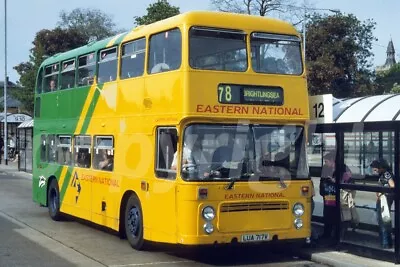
{"x": 134, "y": 223}
{"x": 53, "y": 200}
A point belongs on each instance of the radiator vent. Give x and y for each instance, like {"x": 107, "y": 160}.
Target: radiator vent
{"x": 254, "y": 206}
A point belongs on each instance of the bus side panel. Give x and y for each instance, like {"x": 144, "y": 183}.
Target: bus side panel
{"x": 164, "y": 92}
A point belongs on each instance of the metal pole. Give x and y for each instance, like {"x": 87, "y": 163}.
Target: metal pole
{"x": 5, "y": 82}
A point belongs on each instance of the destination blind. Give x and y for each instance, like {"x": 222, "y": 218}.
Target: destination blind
{"x": 249, "y": 94}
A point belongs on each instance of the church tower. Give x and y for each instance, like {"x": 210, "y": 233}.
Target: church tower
{"x": 390, "y": 57}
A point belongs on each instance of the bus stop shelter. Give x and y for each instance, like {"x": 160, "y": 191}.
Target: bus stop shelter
{"x": 25, "y": 137}
{"x": 358, "y": 131}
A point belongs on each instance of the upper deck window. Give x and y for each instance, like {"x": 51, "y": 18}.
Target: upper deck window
{"x": 86, "y": 69}
{"x": 39, "y": 81}
{"x": 276, "y": 54}
{"x": 68, "y": 74}
{"x": 51, "y": 78}
{"x": 107, "y": 65}
{"x": 165, "y": 51}
{"x": 132, "y": 61}
{"x": 217, "y": 49}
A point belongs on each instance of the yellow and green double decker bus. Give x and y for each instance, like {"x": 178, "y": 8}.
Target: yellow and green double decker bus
{"x": 187, "y": 131}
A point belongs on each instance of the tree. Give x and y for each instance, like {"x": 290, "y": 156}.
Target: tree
{"x": 387, "y": 81}
{"x": 339, "y": 55}
{"x": 46, "y": 44}
{"x": 261, "y": 8}
{"x": 91, "y": 23}
{"x": 395, "y": 89}
{"x": 157, "y": 11}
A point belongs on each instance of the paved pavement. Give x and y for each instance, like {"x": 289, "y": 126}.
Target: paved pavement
{"x": 35, "y": 240}
{"x": 78, "y": 243}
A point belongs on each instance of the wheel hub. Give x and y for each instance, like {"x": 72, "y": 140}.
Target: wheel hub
{"x": 133, "y": 221}
{"x": 54, "y": 200}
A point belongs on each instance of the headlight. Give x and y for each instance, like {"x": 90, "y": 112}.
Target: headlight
{"x": 208, "y": 228}
{"x": 298, "y": 223}
{"x": 298, "y": 209}
{"x": 208, "y": 213}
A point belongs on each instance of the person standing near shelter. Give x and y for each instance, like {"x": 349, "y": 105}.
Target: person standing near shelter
{"x": 1, "y": 146}
{"x": 386, "y": 179}
{"x": 327, "y": 189}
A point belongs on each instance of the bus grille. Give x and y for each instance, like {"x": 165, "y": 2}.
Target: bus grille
{"x": 254, "y": 206}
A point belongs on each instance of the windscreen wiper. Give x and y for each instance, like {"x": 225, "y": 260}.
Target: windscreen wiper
{"x": 231, "y": 183}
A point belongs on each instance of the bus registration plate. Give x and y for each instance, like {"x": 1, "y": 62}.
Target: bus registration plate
{"x": 254, "y": 238}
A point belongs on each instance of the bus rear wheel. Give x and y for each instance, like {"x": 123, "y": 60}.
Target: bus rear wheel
{"x": 53, "y": 200}
{"x": 134, "y": 223}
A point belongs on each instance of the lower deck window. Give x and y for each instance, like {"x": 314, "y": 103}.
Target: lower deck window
{"x": 103, "y": 156}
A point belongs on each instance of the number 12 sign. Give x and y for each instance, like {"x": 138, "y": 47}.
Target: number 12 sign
{"x": 321, "y": 109}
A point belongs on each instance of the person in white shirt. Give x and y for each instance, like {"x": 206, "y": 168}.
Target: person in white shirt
{"x": 12, "y": 141}
{"x": 186, "y": 157}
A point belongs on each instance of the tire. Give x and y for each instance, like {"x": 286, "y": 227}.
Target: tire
{"x": 133, "y": 223}
{"x": 53, "y": 200}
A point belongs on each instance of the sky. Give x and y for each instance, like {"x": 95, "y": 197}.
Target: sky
{"x": 26, "y": 17}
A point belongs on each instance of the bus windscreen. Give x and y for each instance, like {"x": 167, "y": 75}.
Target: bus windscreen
{"x": 217, "y": 49}
{"x": 276, "y": 54}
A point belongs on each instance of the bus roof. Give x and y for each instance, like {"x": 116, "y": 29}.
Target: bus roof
{"x": 203, "y": 18}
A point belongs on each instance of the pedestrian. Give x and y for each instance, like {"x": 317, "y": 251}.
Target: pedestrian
{"x": 327, "y": 189}
{"x": 384, "y": 201}
{"x": 1, "y": 146}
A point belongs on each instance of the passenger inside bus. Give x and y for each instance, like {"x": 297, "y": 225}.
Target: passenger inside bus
{"x": 82, "y": 158}
{"x": 52, "y": 85}
{"x": 279, "y": 167}
{"x": 107, "y": 161}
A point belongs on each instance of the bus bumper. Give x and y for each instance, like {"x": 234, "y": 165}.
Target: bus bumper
{"x": 293, "y": 236}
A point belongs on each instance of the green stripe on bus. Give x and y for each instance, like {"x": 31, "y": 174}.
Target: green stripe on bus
{"x": 91, "y": 109}
{"x": 65, "y": 183}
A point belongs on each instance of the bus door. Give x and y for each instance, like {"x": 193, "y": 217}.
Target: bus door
{"x": 163, "y": 187}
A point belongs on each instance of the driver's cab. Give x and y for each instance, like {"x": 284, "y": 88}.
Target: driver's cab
{"x": 213, "y": 153}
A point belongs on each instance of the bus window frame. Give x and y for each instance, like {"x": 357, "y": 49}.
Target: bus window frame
{"x": 52, "y": 74}
{"x": 62, "y": 71}
{"x": 121, "y": 56}
{"x": 99, "y": 61}
{"x": 61, "y": 145}
{"x": 40, "y": 73}
{"x": 164, "y": 174}
{"x": 227, "y": 30}
{"x": 250, "y": 36}
{"x": 51, "y": 148}
{"x": 77, "y": 147}
{"x": 78, "y": 67}
{"x": 95, "y": 151}
{"x": 43, "y": 143}
{"x": 148, "y": 53}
